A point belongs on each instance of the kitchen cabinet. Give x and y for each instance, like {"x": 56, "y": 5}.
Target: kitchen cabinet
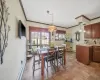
{"x": 88, "y": 31}
{"x": 96, "y": 30}
{"x": 96, "y": 53}
{"x": 84, "y": 54}
{"x": 92, "y": 31}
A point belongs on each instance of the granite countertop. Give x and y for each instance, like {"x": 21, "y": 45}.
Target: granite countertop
{"x": 84, "y": 45}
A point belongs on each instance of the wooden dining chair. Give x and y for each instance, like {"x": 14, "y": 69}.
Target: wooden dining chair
{"x": 51, "y": 56}
{"x": 60, "y": 55}
{"x": 36, "y": 60}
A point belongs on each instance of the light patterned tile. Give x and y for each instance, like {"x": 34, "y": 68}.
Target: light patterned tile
{"x": 73, "y": 70}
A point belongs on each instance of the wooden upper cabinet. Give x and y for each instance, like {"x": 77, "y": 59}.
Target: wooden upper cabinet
{"x": 96, "y": 30}
{"x": 88, "y": 31}
{"x": 92, "y": 31}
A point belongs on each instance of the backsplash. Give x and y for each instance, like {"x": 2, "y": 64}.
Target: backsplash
{"x": 92, "y": 41}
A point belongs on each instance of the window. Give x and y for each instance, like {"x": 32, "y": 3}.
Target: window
{"x": 60, "y": 35}
{"x": 39, "y": 37}
{"x": 45, "y": 38}
{"x": 57, "y": 36}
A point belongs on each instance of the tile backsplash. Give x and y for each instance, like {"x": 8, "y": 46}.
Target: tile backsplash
{"x": 92, "y": 41}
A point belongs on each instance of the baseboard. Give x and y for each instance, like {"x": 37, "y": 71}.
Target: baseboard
{"x": 21, "y": 71}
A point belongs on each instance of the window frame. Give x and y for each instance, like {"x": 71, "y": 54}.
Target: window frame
{"x": 60, "y": 35}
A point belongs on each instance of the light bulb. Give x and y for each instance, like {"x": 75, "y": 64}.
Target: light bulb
{"x": 80, "y": 30}
{"x": 84, "y": 31}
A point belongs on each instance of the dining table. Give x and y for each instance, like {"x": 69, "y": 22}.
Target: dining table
{"x": 43, "y": 52}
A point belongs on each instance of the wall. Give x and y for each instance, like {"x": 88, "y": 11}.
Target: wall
{"x": 15, "y": 52}
{"x": 42, "y": 26}
{"x": 77, "y": 28}
{"x": 75, "y": 42}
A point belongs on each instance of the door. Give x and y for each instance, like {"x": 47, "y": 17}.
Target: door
{"x": 35, "y": 40}
{"x": 39, "y": 39}
{"x": 45, "y": 38}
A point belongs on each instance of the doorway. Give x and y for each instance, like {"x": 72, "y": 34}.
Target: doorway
{"x": 39, "y": 39}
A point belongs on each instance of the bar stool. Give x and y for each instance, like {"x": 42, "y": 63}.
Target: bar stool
{"x": 60, "y": 55}
{"x": 51, "y": 56}
{"x": 35, "y": 54}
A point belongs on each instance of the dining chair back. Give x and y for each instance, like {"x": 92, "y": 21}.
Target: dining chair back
{"x": 51, "y": 56}
{"x": 36, "y": 59}
{"x": 60, "y": 54}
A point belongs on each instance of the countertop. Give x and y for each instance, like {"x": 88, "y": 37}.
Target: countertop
{"x": 89, "y": 45}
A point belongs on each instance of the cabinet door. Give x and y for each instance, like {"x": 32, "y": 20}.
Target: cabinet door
{"x": 96, "y": 30}
{"x": 88, "y": 31}
{"x": 96, "y": 53}
{"x": 83, "y": 54}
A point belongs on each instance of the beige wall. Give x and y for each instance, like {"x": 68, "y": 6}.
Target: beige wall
{"x": 15, "y": 52}
{"x": 42, "y": 26}
{"x": 74, "y": 29}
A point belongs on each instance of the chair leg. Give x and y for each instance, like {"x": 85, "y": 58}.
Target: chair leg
{"x": 57, "y": 61}
{"x": 33, "y": 70}
{"x": 39, "y": 59}
{"x": 33, "y": 65}
{"x": 62, "y": 60}
{"x": 47, "y": 66}
{"x": 51, "y": 63}
{"x": 54, "y": 65}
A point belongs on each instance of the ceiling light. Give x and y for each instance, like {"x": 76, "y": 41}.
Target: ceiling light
{"x": 51, "y": 28}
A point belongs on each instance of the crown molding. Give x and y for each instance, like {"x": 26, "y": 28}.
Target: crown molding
{"x": 95, "y": 18}
{"x": 87, "y": 17}
{"x": 23, "y": 9}
{"x": 73, "y": 26}
{"x": 55, "y": 25}
{"x": 45, "y": 23}
{"x": 84, "y": 17}
{"x": 37, "y": 22}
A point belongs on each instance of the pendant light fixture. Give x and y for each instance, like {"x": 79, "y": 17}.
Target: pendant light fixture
{"x": 51, "y": 28}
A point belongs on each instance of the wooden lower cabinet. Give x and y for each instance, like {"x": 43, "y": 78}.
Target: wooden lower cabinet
{"x": 96, "y": 53}
{"x": 84, "y": 54}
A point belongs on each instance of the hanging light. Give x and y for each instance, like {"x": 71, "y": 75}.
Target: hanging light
{"x": 51, "y": 28}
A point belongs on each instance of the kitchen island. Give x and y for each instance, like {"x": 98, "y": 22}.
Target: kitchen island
{"x": 84, "y": 53}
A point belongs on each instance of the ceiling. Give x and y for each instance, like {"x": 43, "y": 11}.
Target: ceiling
{"x": 64, "y": 11}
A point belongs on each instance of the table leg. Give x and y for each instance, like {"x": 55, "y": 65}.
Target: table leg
{"x": 64, "y": 57}
{"x": 42, "y": 67}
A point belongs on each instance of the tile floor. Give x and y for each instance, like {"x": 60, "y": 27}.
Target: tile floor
{"x": 73, "y": 70}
